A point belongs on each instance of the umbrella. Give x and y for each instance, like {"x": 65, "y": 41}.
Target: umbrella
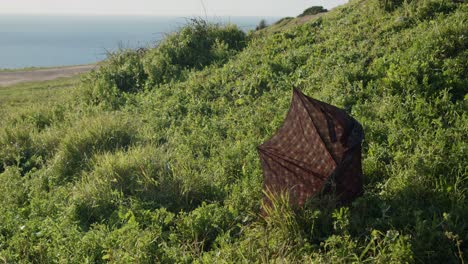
{"x": 316, "y": 150}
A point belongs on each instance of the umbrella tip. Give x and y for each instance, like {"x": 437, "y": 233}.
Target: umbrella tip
{"x": 296, "y": 91}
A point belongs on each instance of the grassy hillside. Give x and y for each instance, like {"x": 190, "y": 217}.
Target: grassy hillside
{"x": 153, "y": 158}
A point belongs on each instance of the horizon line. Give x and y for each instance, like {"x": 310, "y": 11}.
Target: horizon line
{"x": 136, "y": 14}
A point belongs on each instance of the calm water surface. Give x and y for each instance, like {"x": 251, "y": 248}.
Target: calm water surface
{"x": 44, "y": 41}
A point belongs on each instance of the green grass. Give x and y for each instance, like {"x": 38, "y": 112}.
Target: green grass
{"x": 152, "y": 158}
{"x": 36, "y": 68}
{"x": 22, "y": 69}
{"x": 36, "y": 92}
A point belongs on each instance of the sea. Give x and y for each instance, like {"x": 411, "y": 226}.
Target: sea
{"x": 55, "y": 40}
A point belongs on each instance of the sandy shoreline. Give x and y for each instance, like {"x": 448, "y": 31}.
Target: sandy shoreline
{"x": 33, "y": 75}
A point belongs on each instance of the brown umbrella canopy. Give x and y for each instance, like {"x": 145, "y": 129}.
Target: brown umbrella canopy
{"x": 318, "y": 149}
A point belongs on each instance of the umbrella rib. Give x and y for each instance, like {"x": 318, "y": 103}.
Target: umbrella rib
{"x": 316, "y": 130}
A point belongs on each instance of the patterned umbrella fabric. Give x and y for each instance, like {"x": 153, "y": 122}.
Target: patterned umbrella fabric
{"x": 317, "y": 150}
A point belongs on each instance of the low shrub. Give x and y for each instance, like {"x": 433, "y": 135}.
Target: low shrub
{"x": 261, "y": 25}
{"x": 195, "y": 46}
{"x": 314, "y": 10}
{"x": 139, "y": 173}
{"x": 122, "y": 72}
{"x": 23, "y": 146}
{"x": 93, "y": 135}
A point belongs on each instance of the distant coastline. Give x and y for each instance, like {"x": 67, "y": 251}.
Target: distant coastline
{"x": 34, "y": 74}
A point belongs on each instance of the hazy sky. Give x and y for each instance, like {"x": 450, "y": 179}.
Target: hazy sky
{"x": 164, "y": 7}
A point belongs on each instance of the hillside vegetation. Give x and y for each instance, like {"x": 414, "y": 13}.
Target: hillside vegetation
{"x": 152, "y": 158}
